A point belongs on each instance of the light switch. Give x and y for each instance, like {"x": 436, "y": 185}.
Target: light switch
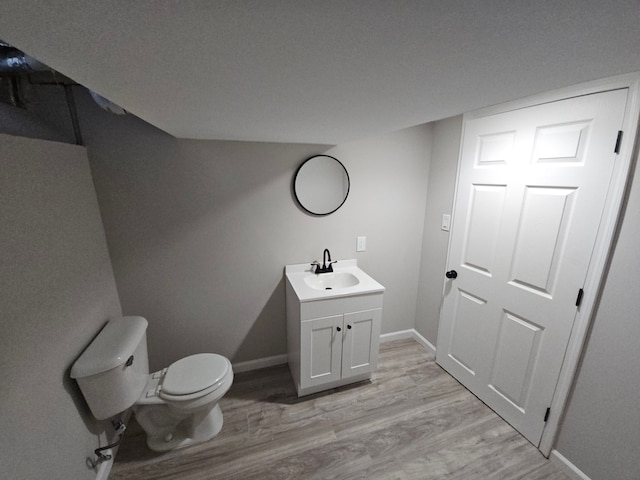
{"x": 361, "y": 244}
{"x": 446, "y": 222}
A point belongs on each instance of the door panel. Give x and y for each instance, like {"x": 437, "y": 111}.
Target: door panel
{"x": 466, "y": 328}
{"x": 495, "y": 149}
{"x": 532, "y": 186}
{"x": 541, "y": 236}
{"x": 561, "y": 144}
{"x": 320, "y": 350}
{"x": 487, "y": 202}
{"x": 516, "y": 352}
{"x": 361, "y": 333}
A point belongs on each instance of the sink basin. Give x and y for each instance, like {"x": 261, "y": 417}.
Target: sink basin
{"x": 346, "y": 280}
{"x": 332, "y": 281}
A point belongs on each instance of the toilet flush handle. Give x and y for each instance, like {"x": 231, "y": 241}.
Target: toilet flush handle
{"x": 129, "y": 361}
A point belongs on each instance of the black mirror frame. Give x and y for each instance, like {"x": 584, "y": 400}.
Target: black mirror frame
{"x": 295, "y": 193}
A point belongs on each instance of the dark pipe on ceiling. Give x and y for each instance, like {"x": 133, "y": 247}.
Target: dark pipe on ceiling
{"x": 14, "y": 61}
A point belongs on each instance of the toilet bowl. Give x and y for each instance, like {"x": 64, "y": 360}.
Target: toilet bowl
{"x": 179, "y": 404}
{"x": 176, "y": 406}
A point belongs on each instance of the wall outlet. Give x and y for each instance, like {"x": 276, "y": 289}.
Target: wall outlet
{"x": 361, "y": 244}
{"x": 446, "y": 222}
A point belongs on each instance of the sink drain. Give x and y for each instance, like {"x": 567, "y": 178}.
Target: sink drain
{"x": 327, "y": 288}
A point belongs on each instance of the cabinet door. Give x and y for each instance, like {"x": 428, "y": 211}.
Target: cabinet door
{"x": 320, "y": 350}
{"x": 360, "y": 343}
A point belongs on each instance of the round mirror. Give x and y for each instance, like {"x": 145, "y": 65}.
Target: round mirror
{"x": 321, "y": 185}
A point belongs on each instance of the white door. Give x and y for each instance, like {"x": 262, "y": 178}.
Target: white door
{"x": 360, "y": 347}
{"x": 320, "y": 350}
{"x": 531, "y": 191}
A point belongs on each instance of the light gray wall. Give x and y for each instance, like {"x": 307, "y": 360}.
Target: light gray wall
{"x": 442, "y": 180}
{"x": 56, "y": 291}
{"x": 199, "y": 231}
{"x": 600, "y": 433}
{"x": 387, "y": 204}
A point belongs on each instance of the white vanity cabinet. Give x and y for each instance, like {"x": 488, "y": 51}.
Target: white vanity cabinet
{"x": 339, "y": 347}
{"x": 332, "y": 340}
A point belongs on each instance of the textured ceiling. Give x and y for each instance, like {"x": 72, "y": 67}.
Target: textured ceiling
{"x": 321, "y": 71}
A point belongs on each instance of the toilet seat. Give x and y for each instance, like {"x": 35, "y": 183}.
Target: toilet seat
{"x": 194, "y": 376}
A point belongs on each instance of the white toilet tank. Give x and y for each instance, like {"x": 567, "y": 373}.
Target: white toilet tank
{"x": 113, "y": 370}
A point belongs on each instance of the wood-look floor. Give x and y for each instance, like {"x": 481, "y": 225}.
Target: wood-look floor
{"x": 411, "y": 421}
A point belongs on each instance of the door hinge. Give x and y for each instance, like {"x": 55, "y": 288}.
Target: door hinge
{"x": 618, "y": 142}
{"x": 546, "y": 414}
{"x": 579, "y": 299}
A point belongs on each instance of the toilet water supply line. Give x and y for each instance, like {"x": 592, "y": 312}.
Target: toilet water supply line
{"x": 120, "y": 427}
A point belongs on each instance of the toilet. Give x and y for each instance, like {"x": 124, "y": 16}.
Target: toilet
{"x": 176, "y": 406}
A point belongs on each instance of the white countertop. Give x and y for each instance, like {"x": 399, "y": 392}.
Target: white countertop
{"x": 296, "y": 274}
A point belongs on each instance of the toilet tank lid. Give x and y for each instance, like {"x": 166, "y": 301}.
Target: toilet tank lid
{"x": 112, "y": 347}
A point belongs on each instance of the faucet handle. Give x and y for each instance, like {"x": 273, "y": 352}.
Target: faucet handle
{"x": 316, "y": 264}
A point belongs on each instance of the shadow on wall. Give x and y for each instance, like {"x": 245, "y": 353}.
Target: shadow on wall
{"x": 263, "y": 327}
{"x": 45, "y": 116}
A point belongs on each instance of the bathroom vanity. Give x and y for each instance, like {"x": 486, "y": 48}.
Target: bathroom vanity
{"x": 333, "y": 325}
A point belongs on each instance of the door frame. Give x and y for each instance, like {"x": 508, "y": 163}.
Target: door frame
{"x": 611, "y": 218}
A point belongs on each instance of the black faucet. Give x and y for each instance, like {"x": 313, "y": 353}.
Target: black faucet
{"x": 326, "y": 267}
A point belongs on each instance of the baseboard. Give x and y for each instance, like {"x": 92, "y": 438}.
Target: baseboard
{"x": 411, "y": 333}
{"x": 260, "y": 363}
{"x": 566, "y": 466}
{"x": 424, "y": 342}
{"x": 282, "y": 359}
{"x": 399, "y": 335}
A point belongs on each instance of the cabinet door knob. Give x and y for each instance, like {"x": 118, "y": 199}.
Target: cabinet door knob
{"x": 349, "y": 327}
{"x": 339, "y": 329}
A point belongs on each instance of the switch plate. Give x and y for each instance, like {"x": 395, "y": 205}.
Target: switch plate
{"x": 446, "y": 222}
{"x": 361, "y": 244}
